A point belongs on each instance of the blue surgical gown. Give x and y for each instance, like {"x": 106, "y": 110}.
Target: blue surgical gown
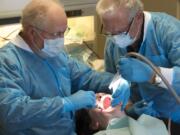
{"x": 161, "y": 46}
{"x": 32, "y": 88}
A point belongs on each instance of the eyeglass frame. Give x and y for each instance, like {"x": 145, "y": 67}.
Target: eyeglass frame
{"x": 110, "y": 34}
{"x": 56, "y": 34}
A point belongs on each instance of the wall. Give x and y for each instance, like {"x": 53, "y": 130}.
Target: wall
{"x": 13, "y": 9}
{"x": 171, "y": 7}
{"x": 178, "y": 9}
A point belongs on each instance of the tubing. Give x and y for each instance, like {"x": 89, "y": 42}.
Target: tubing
{"x": 144, "y": 59}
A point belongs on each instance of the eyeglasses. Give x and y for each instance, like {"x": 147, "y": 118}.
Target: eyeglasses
{"x": 109, "y": 34}
{"x": 56, "y": 34}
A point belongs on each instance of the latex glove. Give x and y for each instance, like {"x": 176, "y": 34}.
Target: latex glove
{"x": 134, "y": 70}
{"x": 121, "y": 93}
{"x": 144, "y": 107}
{"x": 80, "y": 99}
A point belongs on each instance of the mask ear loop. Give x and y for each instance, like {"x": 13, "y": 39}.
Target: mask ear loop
{"x": 135, "y": 37}
{"x": 130, "y": 26}
{"x": 38, "y": 52}
{"x": 36, "y": 49}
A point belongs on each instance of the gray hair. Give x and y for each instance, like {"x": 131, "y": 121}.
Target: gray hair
{"x": 104, "y": 6}
{"x": 35, "y": 13}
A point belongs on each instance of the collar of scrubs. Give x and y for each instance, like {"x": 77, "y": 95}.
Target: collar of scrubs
{"x": 19, "y": 42}
{"x": 147, "y": 18}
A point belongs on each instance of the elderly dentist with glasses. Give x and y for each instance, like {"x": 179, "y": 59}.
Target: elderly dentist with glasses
{"x": 40, "y": 86}
{"x": 154, "y": 35}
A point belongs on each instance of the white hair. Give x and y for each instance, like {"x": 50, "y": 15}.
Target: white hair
{"x": 104, "y": 6}
{"x": 35, "y": 13}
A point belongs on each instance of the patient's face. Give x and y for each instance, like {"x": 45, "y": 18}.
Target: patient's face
{"x": 103, "y": 101}
{"x": 103, "y": 112}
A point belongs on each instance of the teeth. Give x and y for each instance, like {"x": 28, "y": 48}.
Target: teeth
{"x": 105, "y": 102}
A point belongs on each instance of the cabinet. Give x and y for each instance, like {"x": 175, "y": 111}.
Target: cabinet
{"x": 171, "y": 7}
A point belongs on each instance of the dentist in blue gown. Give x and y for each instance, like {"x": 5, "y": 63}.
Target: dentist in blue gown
{"x": 40, "y": 86}
{"x": 153, "y": 35}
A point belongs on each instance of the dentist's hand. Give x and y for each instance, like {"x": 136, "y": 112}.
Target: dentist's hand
{"x": 144, "y": 107}
{"x": 134, "y": 70}
{"x": 121, "y": 94}
{"x": 80, "y": 99}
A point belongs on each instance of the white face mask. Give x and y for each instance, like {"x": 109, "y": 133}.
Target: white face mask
{"x": 123, "y": 40}
{"x": 52, "y": 47}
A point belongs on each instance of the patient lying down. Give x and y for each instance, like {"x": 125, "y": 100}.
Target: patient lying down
{"x": 89, "y": 121}
{"x": 103, "y": 117}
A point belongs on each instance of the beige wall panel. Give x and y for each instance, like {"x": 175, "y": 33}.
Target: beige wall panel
{"x": 169, "y": 6}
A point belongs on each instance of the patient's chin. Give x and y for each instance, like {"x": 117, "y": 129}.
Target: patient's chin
{"x": 108, "y": 110}
{"x": 113, "y": 111}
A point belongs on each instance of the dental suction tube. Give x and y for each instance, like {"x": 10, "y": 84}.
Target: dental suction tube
{"x": 144, "y": 59}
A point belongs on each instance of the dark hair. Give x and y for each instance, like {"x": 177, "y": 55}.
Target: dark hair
{"x": 83, "y": 123}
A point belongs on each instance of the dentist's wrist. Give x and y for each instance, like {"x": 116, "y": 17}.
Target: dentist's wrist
{"x": 152, "y": 79}
{"x": 155, "y": 79}
{"x": 67, "y": 105}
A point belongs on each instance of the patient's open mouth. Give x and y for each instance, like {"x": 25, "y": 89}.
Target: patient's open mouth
{"x": 105, "y": 102}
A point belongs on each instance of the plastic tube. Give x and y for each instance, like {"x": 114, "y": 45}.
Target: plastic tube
{"x": 144, "y": 59}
